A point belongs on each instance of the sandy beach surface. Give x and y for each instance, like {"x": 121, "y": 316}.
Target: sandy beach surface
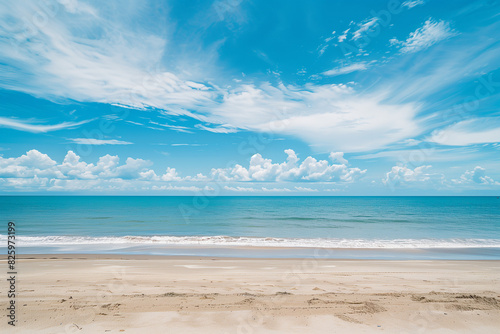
{"x": 153, "y": 294}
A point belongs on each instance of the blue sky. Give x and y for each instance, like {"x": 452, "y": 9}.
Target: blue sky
{"x": 238, "y": 97}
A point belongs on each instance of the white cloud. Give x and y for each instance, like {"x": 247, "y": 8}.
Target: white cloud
{"x": 322, "y": 48}
{"x": 240, "y": 189}
{"x": 75, "y": 6}
{"x": 321, "y": 51}
{"x": 219, "y": 129}
{"x": 39, "y": 170}
{"x": 34, "y": 163}
{"x": 309, "y": 170}
{"x": 65, "y": 59}
{"x": 395, "y": 42}
{"x": 426, "y": 153}
{"x": 439, "y": 69}
{"x": 173, "y": 127}
{"x": 86, "y": 55}
{"x": 305, "y": 189}
{"x": 182, "y": 188}
{"x": 363, "y": 27}
{"x": 429, "y": 34}
{"x": 92, "y": 141}
{"x": 410, "y": 142}
{"x": 475, "y": 176}
{"x": 135, "y": 123}
{"x": 338, "y": 157}
{"x": 171, "y": 175}
{"x": 29, "y": 165}
{"x": 279, "y": 190}
{"x": 410, "y": 4}
{"x": 347, "y": 69}
{"x": 186, "y": 144}
{"x": 114, "y": 68}
{"x": 343, "y": 36}
{"x": 35, "y": 171}
{"x": 402, "y": 176}
{"x": 328, "y": 117}
{"x": 37, "y": 128}
{"x": 469, "y": 132}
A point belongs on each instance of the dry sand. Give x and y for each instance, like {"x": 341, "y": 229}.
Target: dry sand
{"x": 148, "y": 294}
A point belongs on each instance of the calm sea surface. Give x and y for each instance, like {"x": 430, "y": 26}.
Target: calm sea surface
{"x": 424, "y": 227}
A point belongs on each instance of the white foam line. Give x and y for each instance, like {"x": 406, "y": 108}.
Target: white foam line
{"x": 130, "y": 241}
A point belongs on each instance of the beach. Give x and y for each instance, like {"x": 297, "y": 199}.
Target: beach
{"x": 71, "y": 293}
{"x": 246, "y": 167}
{"x": 253, "y": 265}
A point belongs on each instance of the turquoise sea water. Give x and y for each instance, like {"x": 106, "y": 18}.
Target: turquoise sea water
{"x": 353, "y": 227}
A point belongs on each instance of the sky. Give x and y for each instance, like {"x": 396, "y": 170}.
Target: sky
{"x": 237, "y": 97}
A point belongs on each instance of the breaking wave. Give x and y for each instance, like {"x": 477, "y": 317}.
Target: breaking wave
{"x": 38, "y": 241}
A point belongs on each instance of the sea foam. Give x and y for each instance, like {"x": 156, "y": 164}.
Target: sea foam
{"x": 37, "y": 241}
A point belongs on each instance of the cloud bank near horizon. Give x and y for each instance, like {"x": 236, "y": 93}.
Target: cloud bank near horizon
{"x": 36, "y": 171}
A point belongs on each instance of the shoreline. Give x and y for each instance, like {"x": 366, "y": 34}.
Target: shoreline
{"x": 119, "y": 256}
{"x": 88, "y": 293}
{"x": 262, "y": 252}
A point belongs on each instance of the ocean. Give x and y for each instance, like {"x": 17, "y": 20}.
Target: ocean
{"x": 332, "y": 227}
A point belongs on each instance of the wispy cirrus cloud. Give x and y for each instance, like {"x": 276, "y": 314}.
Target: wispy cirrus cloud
{"x": 439, "y": 69}
{"x": 328, "y": 117}
{"x": 413, "y": 3}
{"x": 114, "y": 68}
{"x": 428, "y": 153}
{"x": 66, "y": 59}
{"x": 469, "y": 132}
{"x": 172, "y": 127}
{"x": 363, "y": 27}
{"x": 424, "y": 37}
{"x": 360, "y": 66}
{"x": 92, "y": 141}
{"x": 223, "y": 128}
{"x": 30, "y": 126}
{"x": 185, "y": 144}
